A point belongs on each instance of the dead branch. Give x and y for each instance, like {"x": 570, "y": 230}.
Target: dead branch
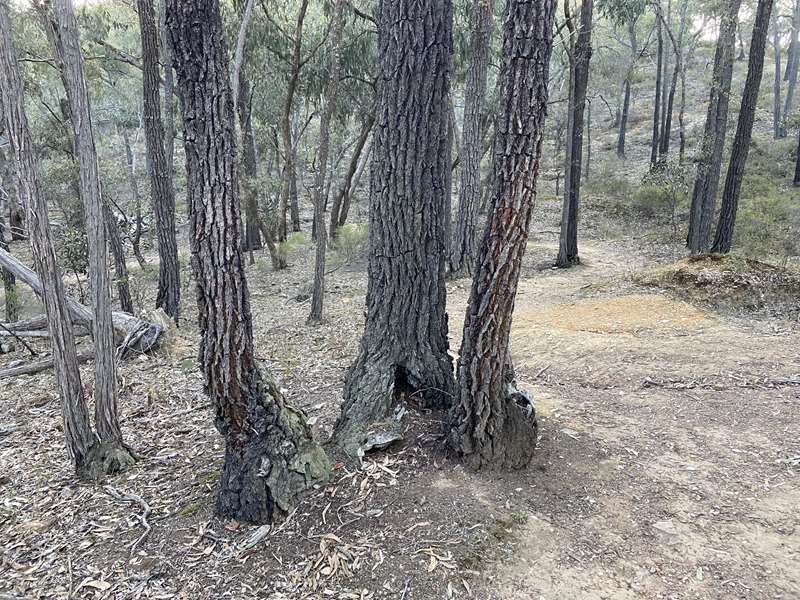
{"x": 133, "y": 499}
{"x": 42, "y": 365}
{"x": 18, "y": 338}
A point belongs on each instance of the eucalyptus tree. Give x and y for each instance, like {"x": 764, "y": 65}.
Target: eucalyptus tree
{"x": 463, "y": 246}
{"x": 161, "y": 183}
{"x": 578, "y": 82}
{"x": 492, "y": 423}
{"x": 712, "y": 142}
{"x": 723, "y": 240}
{"x": 404, "y": 346}
{"x": 270, "y": 455}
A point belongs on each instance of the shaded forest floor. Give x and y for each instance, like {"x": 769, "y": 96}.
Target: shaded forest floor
{"x": 667, "y": 465}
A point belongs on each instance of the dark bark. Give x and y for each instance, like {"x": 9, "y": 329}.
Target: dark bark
{"x": 654, "y": 142}
{"x": 162, "y": 189}
{"x": 744, "y": 130}
{"x": 776, "y": 84}
{"x": 80, "y": 439}
{"x": 404, "y": 347}
{"x": 568, "y": 239}
{"x": 270, "y": 456}
{"x": 796, "y": 180}
{"x": 623, "y": 120}
{"x": 493, "y": 425}
{"x": 331, "y": 91}
{"x": 463, "y": 250}
{"x": 169, "y": 91}
{"x": 709, "y": 157}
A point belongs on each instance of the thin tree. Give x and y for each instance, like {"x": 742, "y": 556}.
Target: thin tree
{"x": 492, "y": 424}
{"x": 163, "y": 191}
{"x": 630, "y": 27}
{"x": 792, "y": 67}
{"x": 9, "y": 281}
{"x": 342, "y": 197}
{"x": 744, "y": 130}
{"x": 404, "y": 347}
{"x": 463, "y": 250}
{"x": 796, "y": 180}
{"x": 80, "y": 439}
{"x": 568, "y": 239}
{"x": 169, "y": 90}
{"x": 776, "y": 84}
{"x": 656, "y": 137}
{"x": 709, "y": 156}
{"x": 330, "y": 99}
{"x": 116, "y": 455}
{"x": 270, "y": 456}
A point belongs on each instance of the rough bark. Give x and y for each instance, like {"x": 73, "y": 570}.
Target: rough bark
{"x": 568, "y": 239}
{"x": 162, "y": 189}
{"x": 776, "y": 84}
{"x": 463, "y": 251}
{"x": 113, "y": 452}
{"x": 9, "y": 281}
{"x": 344, "y": 192}
{"x": 493, "y": 425}
{"x": 120, "y": 264}
{"x": 404, "y": 347}
{"x": 169, "y": 91}
{"x": 331, "y": 91}
{"x": 712, "y": 144}
{"x": 723, "y": 239}
{"x": 270, "y": 456}
{"x": 80, "y": 439}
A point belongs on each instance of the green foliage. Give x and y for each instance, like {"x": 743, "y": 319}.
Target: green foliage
{"x": 768, "y": 227}
{"x": 73, "y": 249}
{"x": 664, "y": 189}
{"x": 351, "y": 243}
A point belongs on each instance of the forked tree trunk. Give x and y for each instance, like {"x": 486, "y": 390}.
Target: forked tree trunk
{"x": 163, "y": 191}
{"x": 347, "y": 201}
{"x": 568, "y": 239}
{"x": 709, "y": 157}
{"x": 404, "y": 345}
{"x": 331, "y": 91}
{"x": 492, "y": 424}
{"x": 344, "y": 192}
{"x": 80, "y": 438}
{"x": 463, "y": 250}
{"x": 115, "y": 455}
{"x": 723, "y": 239}
{"x": 270, "y": 456}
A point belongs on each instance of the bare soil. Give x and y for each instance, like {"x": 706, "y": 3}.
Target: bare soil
{"x": 667, "y": 465}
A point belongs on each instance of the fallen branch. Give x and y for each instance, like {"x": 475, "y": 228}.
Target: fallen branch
{"x": 133, "y": 499}
{"x": 37, "y": 333}
{"x": 739, "y": 381}
{"x": 42, "y": 365}
{"x": 18, "y": 338}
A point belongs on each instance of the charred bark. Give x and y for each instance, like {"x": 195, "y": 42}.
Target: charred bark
{"x": 493, "y": 425}
{"x": 270, "y": 456}
{"x": 709, "y": 157}
{"x": 163, "y": 191}
{"x": 723, "y": 240}
{"x": 463, "y": 250}
{"x": 404, "y": 346}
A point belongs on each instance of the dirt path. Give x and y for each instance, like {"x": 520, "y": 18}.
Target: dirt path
{"x": 648, "y": 491}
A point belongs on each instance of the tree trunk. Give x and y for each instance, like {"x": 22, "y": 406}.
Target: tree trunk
{"x": 709, "y": 157}
{"x": 657, "y": 104}
{"x": 588, "y": 168}
{"x": 796, "y": 180}
{"x": 252, "y": 239}
{"x": 776, "y": 85}
{"x": 568, "y": 240}
{"x": 623, "y": 120}
{"x": 9, "y": 281}
{"x": 405, "y": 346}
{"x": 331, "y": 91}
{"x": 493, "y": 424}
{"x": 344, "y": 191}
{"x": 80, "y": 439}
{"x": 348, "y": 198}
{"x": 463, "y": 250}
{"x": 678, "y": 50}
{"x": 744, "y": 130}
{"x": 791, "y": 71}
{"x": 163, "y": 191}
{"x": 289, "y": 189}
{"x": 666, "y": 25}
{"x": 270, "y": 456}
{"x": 136, "y": 236}
{"x": 114, "y": 454}
{"x": 120, "y": 265}
{"x": 169, "y": 91}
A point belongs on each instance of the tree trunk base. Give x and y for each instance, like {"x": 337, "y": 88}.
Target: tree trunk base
{"x": 507, "y": 445}
{"x": 263, "y": 477}
{"x": 106, "y": 458}
{"x": 567, "y": 262}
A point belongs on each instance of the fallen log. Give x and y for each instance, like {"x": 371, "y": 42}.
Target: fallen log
{"x": 42, "y": 365}
{"x": 134, "y": 335}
